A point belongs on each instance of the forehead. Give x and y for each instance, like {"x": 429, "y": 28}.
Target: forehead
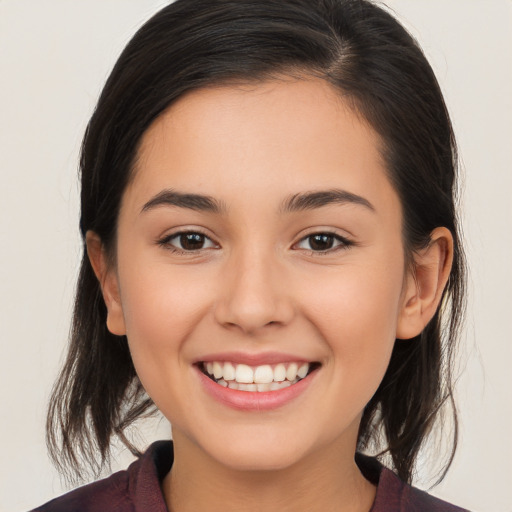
{"x": 275, "y": 137}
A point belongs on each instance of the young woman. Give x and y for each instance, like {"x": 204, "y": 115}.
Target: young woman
{"x": 271, "y": 259}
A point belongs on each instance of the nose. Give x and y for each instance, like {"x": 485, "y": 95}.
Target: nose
{"x": 254, "y": 293}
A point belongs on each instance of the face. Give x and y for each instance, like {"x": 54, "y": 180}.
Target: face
{"x": 259, "y": 237}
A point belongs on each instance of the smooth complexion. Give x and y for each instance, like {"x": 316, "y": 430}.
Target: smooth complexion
{"x": 255, "y": 284}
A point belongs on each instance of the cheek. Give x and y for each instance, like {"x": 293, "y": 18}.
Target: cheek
{"x": 160, "y": 316}
{"x": 356, "y": 313}
{"x": 157, "y": 296}
{"x": 162, "y": 306}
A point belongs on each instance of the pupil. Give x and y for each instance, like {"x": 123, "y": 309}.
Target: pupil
{"x": 321, "y": 242}
{"x": 191, "y": 241}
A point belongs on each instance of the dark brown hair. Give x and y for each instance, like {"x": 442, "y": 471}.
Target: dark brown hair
{"x": 365, "y": 54}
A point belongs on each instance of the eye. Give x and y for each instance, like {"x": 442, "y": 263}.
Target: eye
{"x": 323, "y": 242}
{"x": 187, "y": 241}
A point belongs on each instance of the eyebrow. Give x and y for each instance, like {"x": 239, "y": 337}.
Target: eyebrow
{"x": 296, "y": 203}
{"x": 195, "y": 202}
{"x": 318, "y": 199}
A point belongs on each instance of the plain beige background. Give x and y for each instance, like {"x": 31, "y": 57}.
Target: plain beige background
{"x": 54, "y": 58}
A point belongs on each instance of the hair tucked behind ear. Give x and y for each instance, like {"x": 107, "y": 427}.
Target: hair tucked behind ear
{"x": 365, "y": 54}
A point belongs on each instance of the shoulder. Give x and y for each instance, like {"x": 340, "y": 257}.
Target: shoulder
{"x": 108, "y": 494}
{"x": 393, "y": 494}
{"x": 136, "y": 489}
{"x": 410, "y": 498}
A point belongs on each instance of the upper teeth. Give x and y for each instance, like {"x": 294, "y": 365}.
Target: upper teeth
{"x": 264, "y": 374}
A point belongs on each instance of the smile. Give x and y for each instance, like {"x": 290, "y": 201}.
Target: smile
{"x": 263, "y": 378}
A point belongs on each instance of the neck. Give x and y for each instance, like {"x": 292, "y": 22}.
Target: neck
{"x": 328, "y": 481}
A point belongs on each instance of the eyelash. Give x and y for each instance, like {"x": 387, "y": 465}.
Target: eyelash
{"x": 166, "y": 242}
{"x": 344, "y": 243}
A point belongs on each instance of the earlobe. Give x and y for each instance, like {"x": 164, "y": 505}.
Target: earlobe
{"x": 425, "y": 284}
{"x": 107, "y": 278}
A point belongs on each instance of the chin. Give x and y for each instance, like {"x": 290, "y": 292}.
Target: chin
{"x": 260, "y": 459}
{"x": 266, "y": 451}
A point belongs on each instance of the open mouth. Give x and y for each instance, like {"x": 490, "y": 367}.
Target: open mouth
{"x": 261, "y": 378}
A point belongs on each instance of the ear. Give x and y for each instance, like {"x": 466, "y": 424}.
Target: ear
{"x": 108, "y": 280}
{"x": 425, "y": 283}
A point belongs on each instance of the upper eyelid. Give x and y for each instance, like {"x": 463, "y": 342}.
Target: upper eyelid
{"x": 184, "y": 231}
{"x": 343, "y": 236}
{"x": 337, "y": 232}
{"x": 343, "y": 241}
{"x": 315, "y": 231}
{"x": 328, "y": 233}
{"x": 170, "y": 236}
{"x": 340, "y": 238}
{"x": 165, "y": 242}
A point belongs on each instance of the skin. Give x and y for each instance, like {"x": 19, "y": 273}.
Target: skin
{"x": 257, "y": 285}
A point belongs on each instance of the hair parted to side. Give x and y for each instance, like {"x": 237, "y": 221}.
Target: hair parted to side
{"x": 365, "y": 54}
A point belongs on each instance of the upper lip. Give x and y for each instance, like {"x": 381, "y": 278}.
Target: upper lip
{"x": 253, "y": 359}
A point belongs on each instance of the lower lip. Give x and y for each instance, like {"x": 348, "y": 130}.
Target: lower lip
{"x": 254, "y": 400}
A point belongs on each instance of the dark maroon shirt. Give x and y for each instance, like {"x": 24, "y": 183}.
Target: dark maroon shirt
{"x": 138, "y": 489}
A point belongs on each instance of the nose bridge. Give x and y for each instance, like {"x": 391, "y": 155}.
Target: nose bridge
{"x": 254, "y": 294}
